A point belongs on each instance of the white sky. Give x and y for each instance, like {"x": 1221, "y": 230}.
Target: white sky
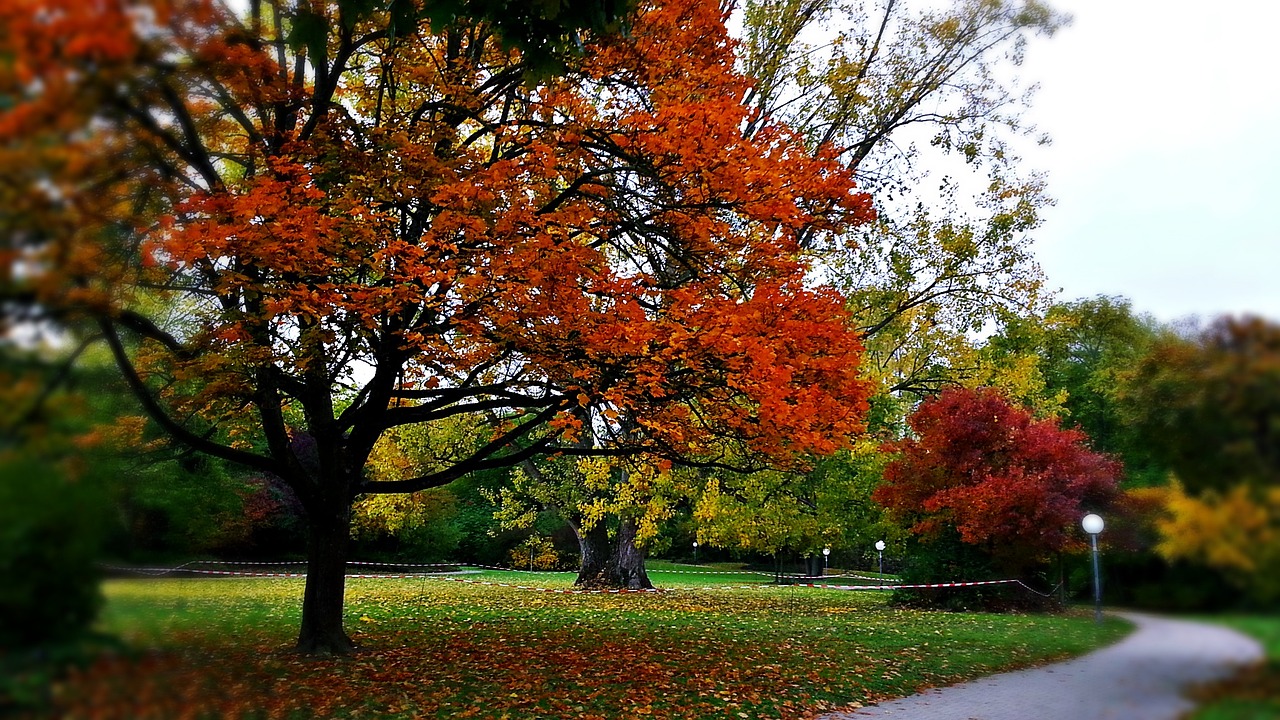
{"x": 1165, "y": 163}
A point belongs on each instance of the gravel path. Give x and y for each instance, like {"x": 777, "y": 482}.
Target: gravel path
{"x": 1143, "y": 677}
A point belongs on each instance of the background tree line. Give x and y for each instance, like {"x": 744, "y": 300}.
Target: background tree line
{"x": 1183, "y": 415}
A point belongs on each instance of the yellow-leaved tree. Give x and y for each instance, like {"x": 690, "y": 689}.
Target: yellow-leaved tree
{"x": 1235, "y": 531}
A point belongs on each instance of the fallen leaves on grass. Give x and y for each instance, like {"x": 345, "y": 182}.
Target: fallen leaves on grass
{"x": 445, "y": 650}
{"x": 442, "y": 672}
{"x": 1256, "y": 691}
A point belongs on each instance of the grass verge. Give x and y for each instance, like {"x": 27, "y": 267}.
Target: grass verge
{"x": 1255, "y": 695}
{"x": 436, "y": 648}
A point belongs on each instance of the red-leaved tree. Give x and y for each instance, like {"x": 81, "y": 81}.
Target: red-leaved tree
{"x": 1006, "y": 482}
{"x": 301, "y": 228}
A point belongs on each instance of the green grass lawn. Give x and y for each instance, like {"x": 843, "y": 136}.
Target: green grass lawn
{"x": 1255, "y": 695}
{"x": 435, "y": 647}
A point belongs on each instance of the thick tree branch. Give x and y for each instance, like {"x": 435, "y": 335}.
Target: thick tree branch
{"x": 395, "y": 417}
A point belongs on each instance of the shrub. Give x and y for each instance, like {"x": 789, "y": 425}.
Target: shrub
{"x": 51, "y": 526}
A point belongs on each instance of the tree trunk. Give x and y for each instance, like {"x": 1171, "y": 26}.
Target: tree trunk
{"x": 322, "y": 601}
{"x": 594, "y": 546}
{"x": 611, "y": 563}
{"x": 813, "y": 565}
{"x": 627, "y": 561}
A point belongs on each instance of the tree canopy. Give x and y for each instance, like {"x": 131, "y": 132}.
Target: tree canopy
{"x": 1208, "y": 405}
{"x": 1006, "y": 482}
{"x": 924, "y": 101}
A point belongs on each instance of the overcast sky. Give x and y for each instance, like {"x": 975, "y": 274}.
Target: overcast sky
{"x": 1165, "y": 163}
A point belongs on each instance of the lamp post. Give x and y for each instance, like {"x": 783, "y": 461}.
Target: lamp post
{"x": 695, "y": 552}
{"x": 826, "y": 553}
{"x": 1093, "y": 525}
{"x": 880, "y": 549}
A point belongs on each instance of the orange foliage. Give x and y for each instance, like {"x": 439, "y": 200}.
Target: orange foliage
{"x": 614, "y": 231}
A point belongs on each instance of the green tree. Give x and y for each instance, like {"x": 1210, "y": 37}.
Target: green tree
{"x": 178, "y": 506}
{"x": 416, "y": 525}
{"x": 54, "y": 514}
{"x": 1208, "y": 405}
{"x": 776, "y": 513}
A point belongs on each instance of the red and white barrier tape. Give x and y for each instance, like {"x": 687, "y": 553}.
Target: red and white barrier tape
{"x": 156, "y": 571}
{"x": 567, "y": 591}
{"x": 395, "y": 576}
{"x": 247, "y": 562}
{"x": 716, "y": 572}
{"x": 828, "y": 577}
{"x": 400, "y": 564}
{"x": 367, "y": 563}
{"x": 519, "y": 570}
{"x": 238, "y": 573}
{"x": 304, "y": 562}
{"x": 919, "y": 586}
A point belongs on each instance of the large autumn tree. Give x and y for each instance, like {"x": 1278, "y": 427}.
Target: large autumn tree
{"x": 299, "y": 229}
{"x": 990, "y": 473}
